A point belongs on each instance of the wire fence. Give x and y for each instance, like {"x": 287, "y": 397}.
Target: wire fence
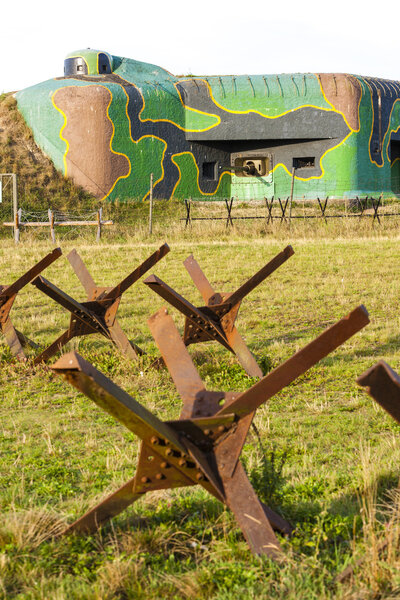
{"x": 284, "y": 210}
{"x": 56, "y": 218}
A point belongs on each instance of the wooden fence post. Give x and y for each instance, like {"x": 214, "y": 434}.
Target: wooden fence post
{"x": 17, "y": 221}
{"x": 51, "y": 223}
{"x": 15, "y": 194}
{"x": 99, "y": 221}
{"x": 291, "y": 196}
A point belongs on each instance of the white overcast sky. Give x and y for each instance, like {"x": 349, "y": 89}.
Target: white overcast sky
{"x": 204, "y": 38}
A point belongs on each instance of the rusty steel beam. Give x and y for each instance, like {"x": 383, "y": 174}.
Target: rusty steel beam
{"x": 197, "y": 402}
{"x": 205, "y": 324}
{"x": 82, "y": 273}
{"x": 8, "y": 293}
{"x": 301, "y": 361}
{"x": 259, "y": 277}
{"x": 98, "y": 313}
{"x": 203, "y": 447}
{"x": 126, "y": 283}
{"x": 216, "y": 321}
{"x": 199, "y": 279}
{"x": 382, "y": 383}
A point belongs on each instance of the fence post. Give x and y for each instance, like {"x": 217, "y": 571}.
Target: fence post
{"x": 51, "y": 223}
{"x": 15, "y": 201}
{"x": 188, "y": 207}
{"x": 151, "y": 205}
{"x": 291, "y": 196}
{"x": 99, "y": 219}
{"x": 17, "y": 221}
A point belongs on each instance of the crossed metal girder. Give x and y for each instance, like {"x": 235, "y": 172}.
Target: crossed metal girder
{"x": 8, "y": 293}
{"x": 204, "y": 446}
{"x": 98, "y": 313}
{"x": 216, "y": 321}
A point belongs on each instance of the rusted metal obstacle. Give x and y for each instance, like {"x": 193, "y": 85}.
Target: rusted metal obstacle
{"x": 216, "y": 320}
{"x": 204, "y": 446}
{"x": 8, "y": 293}
{"x": 382, "y": 383}
{"x": 98, "y": 313}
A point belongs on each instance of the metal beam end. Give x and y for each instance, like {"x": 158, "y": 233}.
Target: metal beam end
{"x": 162, "y": 312}
{"x": 72, "y": 361}
{"x": 362, "y": 312}
{"x": 289, "y": 251}
{"x": 151, "y": 279}
{"x": 371, "y": 375}
{"x": 188, "y": 259}
{"x": 38, "y": 281}
{"x": 72, "y": 253}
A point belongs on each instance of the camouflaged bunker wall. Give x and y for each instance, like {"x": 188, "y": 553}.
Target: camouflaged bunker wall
{"x": 110, "y": 122}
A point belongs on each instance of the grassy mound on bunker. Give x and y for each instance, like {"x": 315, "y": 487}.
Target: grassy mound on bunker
{"x": 39, "y": 183}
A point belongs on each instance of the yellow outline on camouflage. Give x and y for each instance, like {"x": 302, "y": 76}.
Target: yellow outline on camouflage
{"x": 320, "y": 162}
{"x": 339, "y": 111}
{"x": 168, "y": 120}
{"x": 62, "y": 129}
{"x": 372, "y": 131}
{"x": 257, "y": 112}
{"x": 87, "y": 64}
{"x": 196, "y": 110}
{"x": 391, "y": 131}
{"x": 383, "y": 137}
{"x": 143, "y": 137}
{"x": 91, "y": 84}
{"x": 111, "y": 139}
{"x": 333, "y": 109}
{"x": 198, "y": 174}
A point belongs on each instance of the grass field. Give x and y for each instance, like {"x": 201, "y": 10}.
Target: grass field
{"x": 328, "y": 460}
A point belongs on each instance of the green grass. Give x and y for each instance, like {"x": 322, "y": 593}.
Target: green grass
{"x": 328, "y": 457}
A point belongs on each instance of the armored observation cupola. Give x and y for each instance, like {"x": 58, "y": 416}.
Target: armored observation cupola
{"x": 88, "y": 62}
